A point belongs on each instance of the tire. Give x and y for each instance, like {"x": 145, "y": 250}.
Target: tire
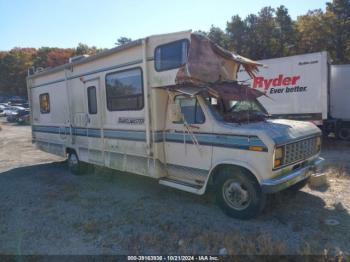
{"x": 344, "y": 133}
{"x": 296, "y": 187}
{"x": 75, "y": 166}
{"x": 239, "y": 194}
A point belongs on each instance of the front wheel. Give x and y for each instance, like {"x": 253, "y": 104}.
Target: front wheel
{"x": 239, "y": 194}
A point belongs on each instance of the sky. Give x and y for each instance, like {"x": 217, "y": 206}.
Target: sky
{"x": 65, "y": 23}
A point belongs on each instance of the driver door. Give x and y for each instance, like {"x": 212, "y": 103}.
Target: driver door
{"x": 188, "y": 150}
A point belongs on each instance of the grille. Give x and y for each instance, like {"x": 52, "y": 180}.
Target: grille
{"x": 300, "y": 150}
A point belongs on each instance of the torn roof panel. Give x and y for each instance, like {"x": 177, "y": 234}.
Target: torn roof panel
{"x": 209, "y": 63}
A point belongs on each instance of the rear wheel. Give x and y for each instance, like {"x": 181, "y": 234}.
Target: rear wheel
{"x": 238, "y": 194}
{"x": 344, "y": 133}
{"x": 75, "y": 165}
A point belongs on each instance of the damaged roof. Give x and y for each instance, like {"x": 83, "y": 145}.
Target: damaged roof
{"x": 212, "y": 70}
{"x": 209, "y": 63}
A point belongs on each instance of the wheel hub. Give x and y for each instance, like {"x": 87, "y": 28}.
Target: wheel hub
{"x": 236, "y": 195}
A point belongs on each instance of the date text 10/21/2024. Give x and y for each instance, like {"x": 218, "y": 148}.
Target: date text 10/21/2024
{"x": 173, "y": 258}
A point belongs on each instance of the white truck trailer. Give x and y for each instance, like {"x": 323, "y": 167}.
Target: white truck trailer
{"x": 169, "y": 107}
{"x": 306, "y": 87}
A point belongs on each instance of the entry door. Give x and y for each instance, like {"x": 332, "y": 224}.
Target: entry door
{"x": 94, "y": 122}
{"x": 188, "y": 150}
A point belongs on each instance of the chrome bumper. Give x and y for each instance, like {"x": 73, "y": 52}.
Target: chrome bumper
{"x": 289, "y": 179}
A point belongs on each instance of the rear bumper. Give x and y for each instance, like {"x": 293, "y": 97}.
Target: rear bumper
{"x": 282, "y": 182}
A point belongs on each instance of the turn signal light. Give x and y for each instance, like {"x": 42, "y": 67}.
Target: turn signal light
{"x": 256, "y": 148}
{"x": 277, "y": 162}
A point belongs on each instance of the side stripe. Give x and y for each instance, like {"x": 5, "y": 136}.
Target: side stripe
{"x": 219, "y": 140}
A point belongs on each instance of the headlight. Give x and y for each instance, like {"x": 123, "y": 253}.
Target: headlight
{"x": 278, "y": 157}
{"x": 318, "y": 143}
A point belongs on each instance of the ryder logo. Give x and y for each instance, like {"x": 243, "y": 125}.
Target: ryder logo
{"x": 279, "y": 84}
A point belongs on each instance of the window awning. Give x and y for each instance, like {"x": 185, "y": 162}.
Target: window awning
{"x": 223, "y": 90}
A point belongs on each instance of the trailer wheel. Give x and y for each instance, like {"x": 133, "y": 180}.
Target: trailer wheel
{"x": 344, "y": 133}
{"x": 75, "y": 165}
{"x": 239, "y": 194}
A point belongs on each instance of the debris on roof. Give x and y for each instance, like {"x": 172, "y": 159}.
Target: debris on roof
{"x": 209, "y": 63}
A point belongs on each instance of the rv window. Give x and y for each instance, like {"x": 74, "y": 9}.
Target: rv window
{"x": 191, "y": 110}
{"x": 92, "y": 100}
{"x": 44, "y": 100}
{"x": 172, "y": 55}
{"x": 124, "y": 90}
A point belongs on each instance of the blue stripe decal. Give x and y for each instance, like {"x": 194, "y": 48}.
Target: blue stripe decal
{"x": 240, "y": 142}
{"x": 125, "y": 134}
{"x": 219, "y": 140}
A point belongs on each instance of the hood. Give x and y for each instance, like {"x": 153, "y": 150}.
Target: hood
{"x": 282, "y": 130}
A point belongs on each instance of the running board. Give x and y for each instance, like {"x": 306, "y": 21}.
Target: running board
{"x": 196, "y": 189}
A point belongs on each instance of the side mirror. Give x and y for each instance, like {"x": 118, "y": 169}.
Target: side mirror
{"x": 175, "y": 113}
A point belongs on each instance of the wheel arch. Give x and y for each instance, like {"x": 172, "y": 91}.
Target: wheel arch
{"x": 71, "y": 150}
{"x": 215, "y": 170}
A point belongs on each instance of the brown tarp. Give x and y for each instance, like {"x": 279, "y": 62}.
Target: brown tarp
{"x": 209, "y": 63}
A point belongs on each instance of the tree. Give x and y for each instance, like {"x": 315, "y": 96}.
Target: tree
{"x": 83, "y": 49}
{"x": 286, "y": 35}
{"x": 218, "y": 36}
{"x": 236, "y": 31}
{"x": 13, "y": 70}
{"x": 40, "y": 57}
{"x": 313, "y": 32}
{"x": 123, "y": 40}
{"x": 338, "y": 22}
{"x": 58, "y": 56}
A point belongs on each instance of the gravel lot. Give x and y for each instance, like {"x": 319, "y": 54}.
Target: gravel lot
{"x": 46, "y": 210}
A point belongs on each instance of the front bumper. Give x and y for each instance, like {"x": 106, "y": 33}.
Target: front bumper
{"x": 282, "y": 182}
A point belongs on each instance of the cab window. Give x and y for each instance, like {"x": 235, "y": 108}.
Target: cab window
{"x": 190, "y": 109}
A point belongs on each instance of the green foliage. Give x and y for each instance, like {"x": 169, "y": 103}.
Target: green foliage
{"x": 13, "y": 70}
{"x": 83, "y": 49}
{"x": 123, "y": 40}
{"x": 14, "y": 64}
{"x": 272, "y": 33}
{"x": 218, "y": 36}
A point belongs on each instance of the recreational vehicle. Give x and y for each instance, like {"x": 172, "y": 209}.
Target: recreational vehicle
{"x": 169, "y": 107}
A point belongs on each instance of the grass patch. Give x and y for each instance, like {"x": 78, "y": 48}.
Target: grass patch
{"x": 91, "y": 227}
{"x": 338, "y": 171}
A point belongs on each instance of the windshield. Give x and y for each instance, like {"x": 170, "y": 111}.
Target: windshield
{"x": 237, "y": 110}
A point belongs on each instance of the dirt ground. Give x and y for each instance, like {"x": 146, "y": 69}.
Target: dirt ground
{"x": 46, "y": 210}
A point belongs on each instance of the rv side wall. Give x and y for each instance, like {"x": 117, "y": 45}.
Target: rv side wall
{"x": 110, "y": 131}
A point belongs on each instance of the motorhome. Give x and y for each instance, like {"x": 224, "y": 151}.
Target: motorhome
{"x": 169, "y": 107}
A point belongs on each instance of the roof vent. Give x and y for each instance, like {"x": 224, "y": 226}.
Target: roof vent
{"x": 77, "y": 58}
